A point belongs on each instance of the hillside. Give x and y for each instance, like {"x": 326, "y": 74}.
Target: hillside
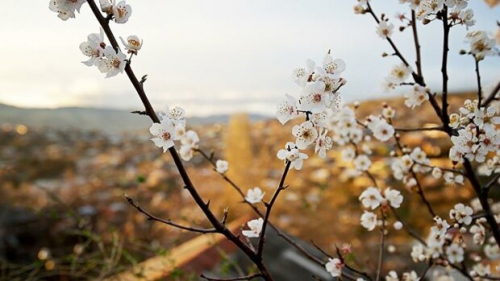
{"x": 84, "y": 118}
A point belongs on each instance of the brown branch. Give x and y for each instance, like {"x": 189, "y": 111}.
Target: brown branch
{"x": 422, "y": 195}
{"x": 221, "y": 228}
{"x": 482, "y": 195}
{"x": 422, "y": 276}
{"x": 416, "y": 77}
{"x": 444, "y": 70}
{"x": 419, "y": 129}
{"x": 418, "y": 61}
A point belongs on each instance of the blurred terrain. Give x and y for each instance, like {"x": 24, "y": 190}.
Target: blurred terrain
{"x": 63, "y": 215}
{"x": 85, "y": 118}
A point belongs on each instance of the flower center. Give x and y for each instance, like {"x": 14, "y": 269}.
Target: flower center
{"x": 166, "y": 136}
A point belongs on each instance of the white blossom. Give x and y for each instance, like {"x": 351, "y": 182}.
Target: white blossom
{"x": 305, "y": 133}
{"x": 369, "y": 220}
{"x": 323, "y": 144}
{"x": 334, "y": 267}
{"x": 292, "y": 153}
{"x": 480, "y": 270}
{"x": 371, "y": 198}
{"x": 255, "y": 228}
{"x": 383, "y": 131}
{"x": 455, "y": 253}
{"x": 122, "y": 12}
{"x": 314, "y": 98}
{"x": 418, "y": 253}
{"x": 332, "y": 66}
{"x": 410, "y": 276}
{"x": 394, "y": 197}
{"x": 399, "y": 73}
{"x": 481, "y": 44}
{"x": 437, "y": 173}
{"x": 65, "y": 9}
{"x": 462, "y": 214}
{"x": 221, "y": 166}
{"x": 93, "y": 48}
{"x": 416, "y": 97}
{"x": 113, "y": 63}
{"x": 479, "y": 234}
{"x": 392, "y": 276}
{"x": 302, "y": 75}
{"x": 164, "y": 134}
{"x": 254, "y": 195}
{"x": 286, "y": 109}
{"x": 133, "y": 44}
{"x": 385, "y": 30}
{"x": 362, "y": 163}
{"x": 440, "y": 228}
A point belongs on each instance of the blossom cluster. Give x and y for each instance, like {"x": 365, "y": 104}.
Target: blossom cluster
{"x": 65, "y": 9}
{"x": 319, "y": 97}
{"x": 106, "y": 58}
{"x": 477, "y": 133}
{"x": 120, "y": 11}
{"x": 445, "y": 240}
{"x": 372, "y": 198}
{"x": 425, "y": 9}
{"x": 172, "y": 127}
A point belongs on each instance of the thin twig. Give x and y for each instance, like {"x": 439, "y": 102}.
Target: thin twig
{"x": 478, "y": 79}
{"x": 382, "y": 242}
{"x": 396, "y": 50}
{"x": 168, "y": 222}
{"x": 494, "y": 180}
{"x": 418, "y": 61}
{"x": 248, "y": 277}
{"x": 362, "y": 273}
{"x": 281, "y": 186}
{"x": 422, "y": 195}
{"x": 492, "y": 95}
{"x": 462, "y": 270}
{"x": 444, "y": 70}
{"x": 419, "y": 129}
{"x": 258, "y": 212}
{"x": 410, "y": 231}
{"x": 372, "y": 178}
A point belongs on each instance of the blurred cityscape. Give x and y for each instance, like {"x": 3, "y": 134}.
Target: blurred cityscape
{"x": 63, "y": 214}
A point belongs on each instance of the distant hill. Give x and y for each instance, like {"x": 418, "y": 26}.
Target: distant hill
{"x": 86, "y": 118}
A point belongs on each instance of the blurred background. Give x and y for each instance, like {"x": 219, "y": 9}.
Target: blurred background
{"x": 70, "y": 149}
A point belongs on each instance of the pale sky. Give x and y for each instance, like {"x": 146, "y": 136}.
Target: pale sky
{"x": 219, "y": 56}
